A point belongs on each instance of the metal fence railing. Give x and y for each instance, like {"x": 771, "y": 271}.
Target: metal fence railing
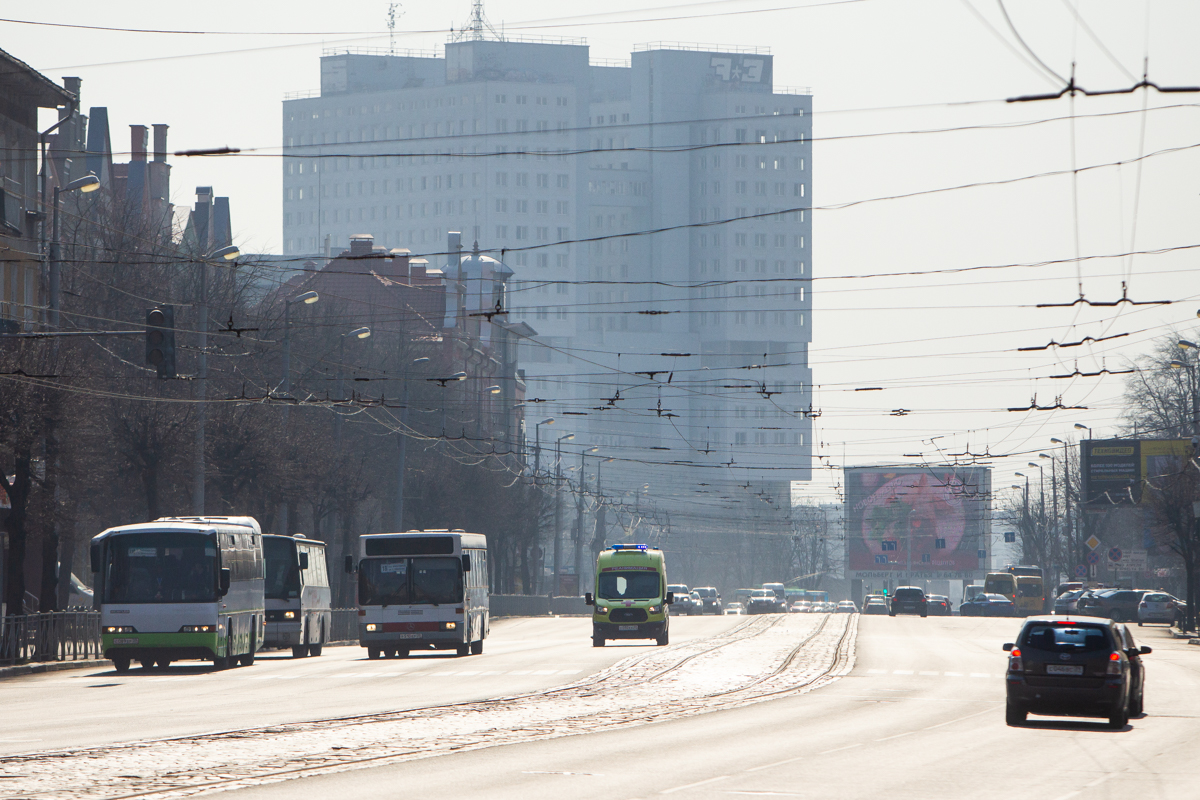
{"x": 50, "y": 636}
{"x": 344, "y": 625}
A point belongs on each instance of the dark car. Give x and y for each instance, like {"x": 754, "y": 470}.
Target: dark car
{"x": 939, "y": 605}
{"x": 1068, "y": 602}
{"x": 1077, "y": 666}
{"x": 711, "y": 599}
{"x": 762, "y": 601}
{"x": 988, "y": 605}
{"x": 1120, "y": 605}
{"x": 909, "y": 600}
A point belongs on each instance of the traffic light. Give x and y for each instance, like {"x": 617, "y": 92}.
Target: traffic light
{"x": 160, "y": 340}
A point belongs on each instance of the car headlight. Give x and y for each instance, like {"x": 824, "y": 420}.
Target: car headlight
{"x": 120, "y": 629}
{"x": 449, "y": 626}
{"x": 372, "y": 627}
{"x": 655, "y": 609}
{"x": 289, "y": 615}
{"x": 601, "y": 610}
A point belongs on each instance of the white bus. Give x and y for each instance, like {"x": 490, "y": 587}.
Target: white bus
{"x": 180, "y": 588}
{"x": 297, "y": 594}
{"x": 422, "y": 590}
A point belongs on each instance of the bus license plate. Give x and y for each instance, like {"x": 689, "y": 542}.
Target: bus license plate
{"x": 1064, "y": 669}
{"x": 125, "y": 641}
{"x": 627, "y": 627}
{"x": 408, "y": 636}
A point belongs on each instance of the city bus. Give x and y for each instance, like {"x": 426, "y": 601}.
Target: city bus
{"x": 422, "y": 590}
{"x": 1004, "y": 583}
{"x": 180, "y": 588}
{"x": 1031, "y": 591}
{"x": 297, "y": 594}
{"x": 631, "y": 595}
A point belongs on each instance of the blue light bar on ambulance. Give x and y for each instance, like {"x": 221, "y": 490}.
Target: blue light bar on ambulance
{"x": 630, "y": 547}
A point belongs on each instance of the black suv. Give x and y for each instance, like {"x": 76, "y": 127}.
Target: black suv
{"x": 909, "y": 600}
{"x": 1081, "y": 666}
{"x": 1120, "y": 605}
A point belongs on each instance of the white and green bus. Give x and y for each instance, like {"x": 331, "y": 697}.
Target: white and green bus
{"x": 180, "y": 588}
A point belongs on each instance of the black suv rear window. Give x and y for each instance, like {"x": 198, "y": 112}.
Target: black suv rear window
{"x": 1066, "y": 638}
{"x": 909, "y": 594}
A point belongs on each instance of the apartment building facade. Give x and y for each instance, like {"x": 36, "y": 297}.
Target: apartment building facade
{"x": 654, "y": 214}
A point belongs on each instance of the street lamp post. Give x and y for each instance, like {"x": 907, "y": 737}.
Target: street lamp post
{"x": 579, "y": 513}
{"x": 558, "y": 508}
{"x": 537, "y": 445}
{"x": 88, "y": 183}
{"x": 228, "y": 253}
{"x": 1184, "y": 344}
{"x": 398, "y": 511}
{"x": 357, "y": 333}
{"x": 308, "y": 298}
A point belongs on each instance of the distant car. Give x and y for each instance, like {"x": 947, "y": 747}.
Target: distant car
{"x": 734, "y": 609}
{"x": 909, "y": 600}
{"x": 762, "y": 601}
{"x": 988, "y": 605}
{"x": 939, "y": 605}
{"x": 1119, "y": 605}
{"x": 1067, "y": 602}
{"x": 1074, "y": 666}
{"x": 1160, "y": 607}
{"x": 683, "y": 600}
{"x": 710, "y": 597}
{"x": 875, "y": 605}
{"x": 847, "y": 607}
{"x": 697, "y": 604}
{"x": 781, "y": 603}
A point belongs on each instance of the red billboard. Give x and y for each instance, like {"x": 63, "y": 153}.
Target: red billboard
{"x": 921, "y": 522}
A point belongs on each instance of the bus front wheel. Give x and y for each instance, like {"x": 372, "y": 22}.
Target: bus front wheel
{"x": 597, "y": 641}
{"x": 314, "y": 649}
{"x": 463, "y": 649}
{"x": 373, "y": 652}
{"x": 299, "y": 651}
{"x": 121, "y": 664}
{"x": 477, "y": 647}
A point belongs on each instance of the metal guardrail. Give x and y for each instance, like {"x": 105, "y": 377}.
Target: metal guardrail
{"x": 343, "y": 625}
{"x": 51, "y": 636}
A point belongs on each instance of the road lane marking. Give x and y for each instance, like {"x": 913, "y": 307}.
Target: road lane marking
{"x": 897, "y": 736}
{"x": 960, "y": 719}
{"x": 775, "y": 764}
{"x": 980, "y": 675}
{"x": 694, "y": 785}
{"x": 762, "y": 794}
{"x": 838, "y": 749}
{"x": 542, "y": 672}
{"x": 569, "y": 671}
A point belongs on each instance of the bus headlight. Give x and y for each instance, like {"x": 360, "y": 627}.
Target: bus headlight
{"x": 120, "y": 629}
{"x": 655, "y": 609}
{"x": 449, "y": 626}
{"x": 198, "y": 629}
{"x": 289, "y": 615}
{"x": 372, "y": 627}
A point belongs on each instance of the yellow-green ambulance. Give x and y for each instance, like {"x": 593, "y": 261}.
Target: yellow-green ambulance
{"x": 631, "y": 595}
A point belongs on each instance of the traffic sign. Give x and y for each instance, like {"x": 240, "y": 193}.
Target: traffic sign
{"x": 1080, "y": 571}
{"x": 1093, "y": 557}
{"x": 1092, "y": 542}
{"x": 1115, "y": 554}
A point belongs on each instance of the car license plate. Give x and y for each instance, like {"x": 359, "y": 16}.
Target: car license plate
{"x": 408, "y": 636}
{"x": 125, "y": 641}
{"x": 627, "y": 627}
{"x": 1064, "y": 669}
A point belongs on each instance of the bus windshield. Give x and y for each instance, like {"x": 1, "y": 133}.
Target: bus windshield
{"x": 283, "y": 571}
{"x": 168, "y": 567}
{"x": 631, "y": 585}
{"x": 409, "y": 581}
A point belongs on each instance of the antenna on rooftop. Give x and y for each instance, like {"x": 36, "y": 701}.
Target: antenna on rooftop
{"x": 477, "y": 26}
{"x": 392, "y": 27}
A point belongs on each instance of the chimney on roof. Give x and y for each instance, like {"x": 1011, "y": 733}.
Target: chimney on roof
{"x": 138, "y": 135}
{"x": 160, "y": 142}
{"x": 362, "y": 244}
{"x": 72, "y": 85}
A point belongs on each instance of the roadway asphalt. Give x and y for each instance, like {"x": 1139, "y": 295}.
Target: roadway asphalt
{"x": 920, "y": 716}
{"x": 80, "y": 708}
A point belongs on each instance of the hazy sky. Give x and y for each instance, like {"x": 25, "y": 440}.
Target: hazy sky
{"x": 908, "y": 98}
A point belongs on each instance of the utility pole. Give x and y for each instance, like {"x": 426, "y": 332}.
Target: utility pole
{"x": 228, "y": 253}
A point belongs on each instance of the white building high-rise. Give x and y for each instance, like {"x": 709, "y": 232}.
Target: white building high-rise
{"x": 652, "y": 209}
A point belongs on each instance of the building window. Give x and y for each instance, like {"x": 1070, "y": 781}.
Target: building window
{"x": 543, "y": 180}
{"x": 739, "y": 265}
{"x": 501, "y": 179}
{"x": 501, "y": 231}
